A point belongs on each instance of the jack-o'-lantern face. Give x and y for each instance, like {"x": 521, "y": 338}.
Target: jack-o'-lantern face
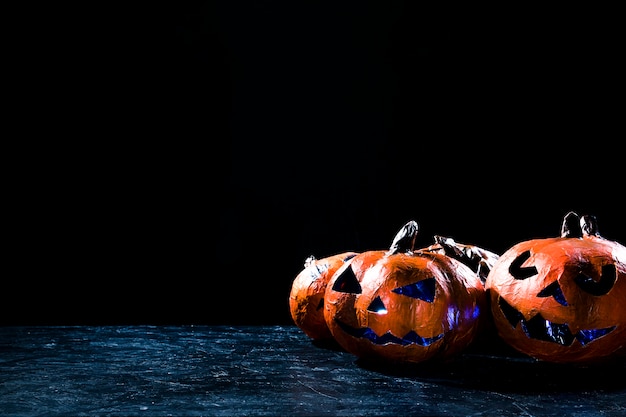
{"x": 562, "y": 299}
{"x": 404, "y": 307}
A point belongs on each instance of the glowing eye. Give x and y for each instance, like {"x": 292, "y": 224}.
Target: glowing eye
{"x": 377, "y": 306}
{"x": 422, "y": 290}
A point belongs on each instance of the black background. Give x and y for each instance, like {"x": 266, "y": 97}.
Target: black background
{"x": 177, "y": 164}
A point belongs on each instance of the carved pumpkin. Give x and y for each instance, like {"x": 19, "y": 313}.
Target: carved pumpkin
{"x": 404, "y": 306}
{"x": 562, "y": 299}
{"x": 306, "y": 299}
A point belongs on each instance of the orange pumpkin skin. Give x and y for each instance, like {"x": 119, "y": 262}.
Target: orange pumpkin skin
{"x": 404, "y": 307}
{"x": 561, "y": 299}
{"x": 306, "y": 298}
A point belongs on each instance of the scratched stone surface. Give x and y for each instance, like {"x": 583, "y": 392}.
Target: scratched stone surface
{"x": 277, "y": 370}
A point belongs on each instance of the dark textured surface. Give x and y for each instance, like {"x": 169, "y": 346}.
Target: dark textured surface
{"x": 276, "y": 370}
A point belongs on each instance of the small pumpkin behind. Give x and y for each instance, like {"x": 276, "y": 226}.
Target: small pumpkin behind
{"x": 478, "y": 259}
{"x": 306, "y": 298}
{"x": 404, "y": 306}
{"x": 562, "y": 299}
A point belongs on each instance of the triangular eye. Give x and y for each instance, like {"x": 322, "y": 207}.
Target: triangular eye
{"x": 377, "y": 306}
{"x": 422, "y": 290}
{"x": 347, "y": 282}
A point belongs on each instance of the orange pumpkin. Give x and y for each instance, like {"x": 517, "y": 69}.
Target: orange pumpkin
{"x": 402, "y": 305}
{"x": 562, "y": 299}
{"x": 306, "y": 299}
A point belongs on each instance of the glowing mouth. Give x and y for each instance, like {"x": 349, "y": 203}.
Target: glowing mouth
{"x": 411, "y": 338}
{"x": 542, "y": 329}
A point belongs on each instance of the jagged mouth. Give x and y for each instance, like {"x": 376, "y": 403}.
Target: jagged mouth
{"x": 411, "y": 338}
{"x": 541, "y": 329}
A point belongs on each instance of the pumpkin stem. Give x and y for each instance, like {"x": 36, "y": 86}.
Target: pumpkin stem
{"x": 571, "y": 225}
{"x": 309, "y": 261}
{"x": 589, "y": 225}
{"x": 450, "y": 247}
{"x": 479, "y": 260}
{"x": 579, "y": 226}
{"x": 405, "y": 239}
